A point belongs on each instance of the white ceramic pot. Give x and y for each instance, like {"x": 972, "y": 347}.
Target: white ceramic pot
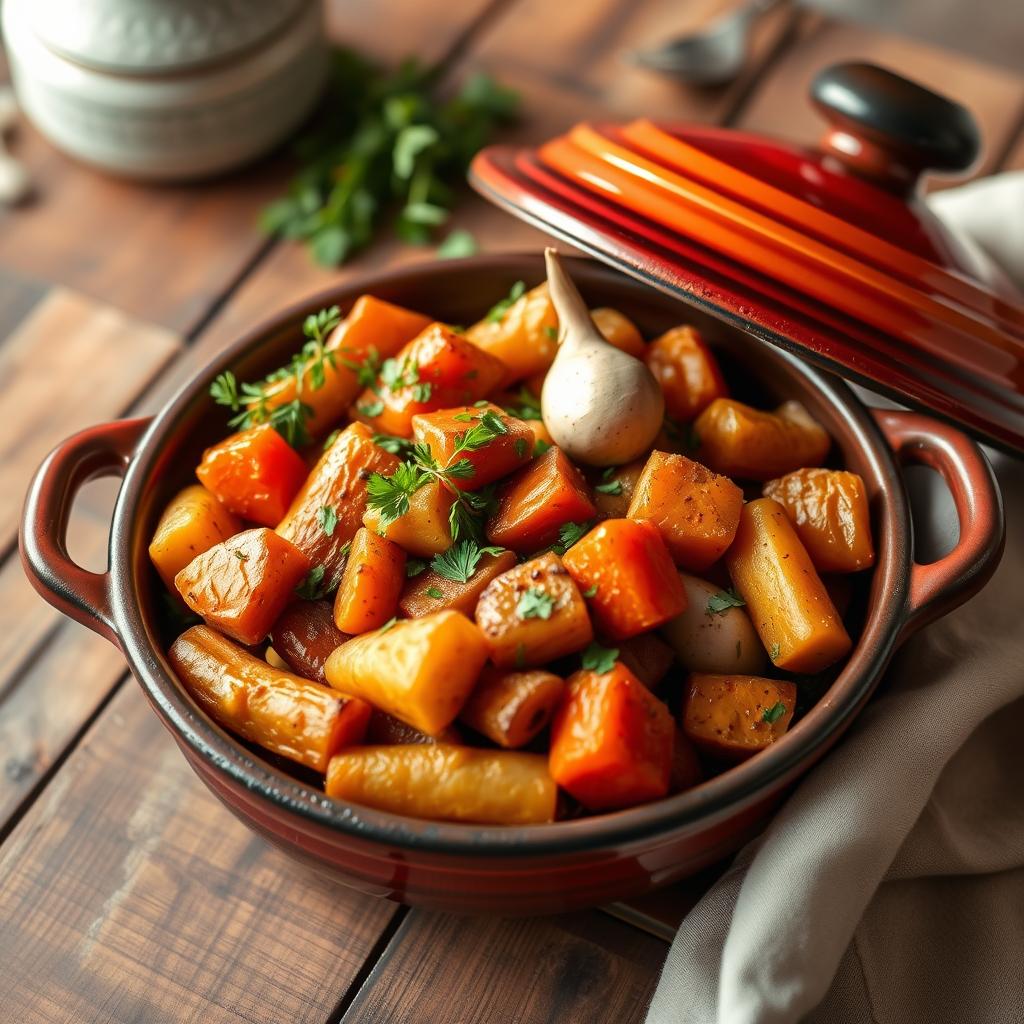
{"x": 166, "y": 89}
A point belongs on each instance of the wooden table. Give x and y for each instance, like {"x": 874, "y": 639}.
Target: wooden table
{"x": 127, "y": 893}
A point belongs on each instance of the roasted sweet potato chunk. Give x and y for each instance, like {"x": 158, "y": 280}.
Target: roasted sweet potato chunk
{"x": 241, "y": 585}
{"x": 754, "y": 445}
{"x": 438, "y": 369}
{"x": 538, "y": 501}
{"x": 254, "y": 474}
{"x": 281, "y": 712}
{"x": 787, "y": 602}
{"x": 431, "y": 592}
{"x": 695, "y": 510}
{"x": 371, "y": 584}
{"x": 533, "y": 614}
{"x": 329, "y": 509}
{"x": 829, "y": 508}
{"x": 687, "y": 372}
{"x": 613, "y": 489}
{"x": 446, "y": 431}
{"x": 611, "y": 741}
{"x": 628, "y": 575}
{"x": 510, "y": 708}
{"x": 736, "y": 716}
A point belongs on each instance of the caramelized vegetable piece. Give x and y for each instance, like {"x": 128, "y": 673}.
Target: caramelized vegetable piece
{"x": 279, "y": 711}
{"x": 614, "y": 488}
{"x": 687, "y": 372}
{"x": 368, "y": 594}
{"x": 254, "y": 474}
{"x": 373, "y": 329}
{"x": 740, "y": 441}
{"x": 437, "y": 370}
{"x": 611, "y": 741}
{"x": 714, "y": 633}
{"x": 431, "y": 592}
{"x": 445, "y": 431}
{"x": 533, "y": 614}
{"x": 419, "y": 670}
{"x": 829, "y": 509}
{"x": 386, "y": 730}
{"x": 447, "y": 783}
{"x": 510, "y": 708}
{"x": 424, "y": 530}
{"x": 788, "y": 604}
{"x": 686, "y": 771}
{"x": 241, "y": 585}
{"x": 736, "y": 716}
{"x": 327, "y": 512}
{"x": 305, "y": 636}
{"x": 696, "y": 510}
{"x": 524, "y": 337}
{"x": 627, "y": 573}
{"x": 619, "y": 330}
{"x": 539, "y": 500}
{"x": 648, "y": 657}
{"x": 193, "y": 521}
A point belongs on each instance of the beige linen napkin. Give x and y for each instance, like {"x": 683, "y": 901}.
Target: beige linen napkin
{"x": 890, "y": 887}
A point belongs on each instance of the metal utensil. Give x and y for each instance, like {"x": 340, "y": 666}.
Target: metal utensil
{"x": 713, "y": 55}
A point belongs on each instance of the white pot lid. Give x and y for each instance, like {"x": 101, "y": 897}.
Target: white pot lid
{"x": 154, "y": 36}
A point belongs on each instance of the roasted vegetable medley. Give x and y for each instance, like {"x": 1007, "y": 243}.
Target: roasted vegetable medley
{"x": 406, "y": 588}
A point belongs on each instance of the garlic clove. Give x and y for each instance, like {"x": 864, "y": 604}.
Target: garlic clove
{"x": 602, "y": 406}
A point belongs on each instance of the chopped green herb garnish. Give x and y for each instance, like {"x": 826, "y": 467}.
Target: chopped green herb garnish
{"x": 721, "y": 602}
{"x": 389, "y": 495}
{"x": 609, "y": 487}
{"x": 464, "y": 417}
{"x": 331, "y": 438}
{"x": 591, "y": 591}
{"x": 774, "y": 652}
{"x": 599, "y": 659}
{"x": 520, "y": 447}
{"x": 569, "y": 534}
{"x": 414, "y": 566}
{"x": 535, "y": 604}
{"x": 311, "y": 587}
{"x": 540, "y": 446}
{"x": 550, "y": 331}
{"x": 526, "y": 407}
{"x": 395, "y": 445}
{"x": 497, "y": 312}
{"x": 774, "y": 713}
{"x": 240, "y": 555}
{"x": 371, "y": 409}
{"x": 434, "y": 592}
{"x": 390, "y": 624}
{"x": 460, "y": 561}
{"x": 328, "y": 519}
{"x": 458, "y": 244}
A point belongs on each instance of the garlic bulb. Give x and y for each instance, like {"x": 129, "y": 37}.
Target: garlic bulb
{"x": 601, "y": 406}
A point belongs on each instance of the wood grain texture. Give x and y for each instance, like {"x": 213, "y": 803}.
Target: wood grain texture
{"x": 575, "y": 969}
{"x": 129, "y": 895}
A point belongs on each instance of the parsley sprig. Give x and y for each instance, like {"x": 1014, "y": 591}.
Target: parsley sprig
{"x": 460, "y": 561}
{"x": 720, "y": 603}
{"x": 497, "y": 312}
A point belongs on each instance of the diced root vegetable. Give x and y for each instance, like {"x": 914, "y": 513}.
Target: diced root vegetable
{"x": 447, "y": 783}
{"x": 648, "y": 657}
{"x": 510, "y": 708}
{"x": 755, "y": 445}
{"x": 687, "y": 372}
{"x": 613, "y": 489}
{"x": 386, "y": 730}
{"x": 281, "y": 712}
{"x": 611, "y": 741}
{"x": 242, "y": 585}
{"x": 419, "y": 670}
{"x": 532, "y": 614}
{"x": 786, "y": 599}
{"x": 193, "y": 521}
{"x": 735, "y": 716}
{"x": 424, "y": 531}
{"x": 619, "y": 330}
{"x": 372, "y": 582}
{"x": 829, "y": 509}
{"x": 305, "y": 636}
{"x": 696, "y": 511}
{"x": 420, "y": 596}
{"x": 627, "y": 572}
{"x": 254, "y": 474}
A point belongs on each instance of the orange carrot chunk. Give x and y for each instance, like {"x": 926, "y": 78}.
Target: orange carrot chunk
{"x": 695, "y": 510}
{"x": 454, "y": 435}
{"x": 829, "y": 509}
{"x": 538, "y": 501}
{"x": 786, "y": 599}
{"x": 241, "y": 585}
{"x": 628, "y": 576}
{"x": 281, "y": 712}
{"x": 328, "y": 510}
{"x": 754, "y": 445}
{"x": 437, "y": 370}
{"x": 533, "y": 613}
{"x": 510, "y": 708}
{"x": 429, "y": 591}
{"x": 736, "y": 716}
{"x": 254, "y": 474}
{"x": 611, "y": 741}
{"x": 687, "y": 372}
{"x": 374, "y": 575}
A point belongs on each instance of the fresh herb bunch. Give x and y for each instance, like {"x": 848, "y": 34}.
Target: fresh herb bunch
{"x": 385, "y": 141}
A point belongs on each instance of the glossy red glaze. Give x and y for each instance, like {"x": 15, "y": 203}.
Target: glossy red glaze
{"x": 535, "y": 869}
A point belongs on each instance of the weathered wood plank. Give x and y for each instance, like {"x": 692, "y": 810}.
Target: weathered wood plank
{"x": 129, "y": 894}
{"x": 446, "y": 970}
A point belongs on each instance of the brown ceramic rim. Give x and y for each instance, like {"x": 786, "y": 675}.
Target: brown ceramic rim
{"x": 111, "y": 603}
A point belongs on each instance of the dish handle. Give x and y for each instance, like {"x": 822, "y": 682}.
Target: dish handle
{"x": 99, "y": 451}
{"x": 940, "y": 586}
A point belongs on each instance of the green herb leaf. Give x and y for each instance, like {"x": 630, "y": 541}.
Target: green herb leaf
{"x": 540, "y": 446}
{"x": 591, "y": 591}
{"x": 395, "y": 445}
{"x": 609, "y": 487}
{"x": 527, "y": 406}
{"x": 550, "y": 331}
{"x": 328, "y": 519}
{"x": 774, "y": 713}
{"x": 434, "y": 592}
{"x": 535, "y": 604}
{"x": 414, "y": 566}
{"x": 390, "y": 495}
{"x": 520, "y": 447}
{"x": 390, "y": 624}
{"x": 331, "y": 438}
{"x": 569, "y": 534}
{"x": 774, "y": 652}
{"x": 311, "y": 587}
{"x": 460, "y": 561}
{"x": 497, "y": 312}
{"x": 599, "y": 659}
{"x": 459, "y": 244}
{"x": 721, "y": 602}
{"x": 371, "y": 409}
{"x": 240, "y": 555}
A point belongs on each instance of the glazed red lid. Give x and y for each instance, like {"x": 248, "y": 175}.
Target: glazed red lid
{"x": 829, "y": 252}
